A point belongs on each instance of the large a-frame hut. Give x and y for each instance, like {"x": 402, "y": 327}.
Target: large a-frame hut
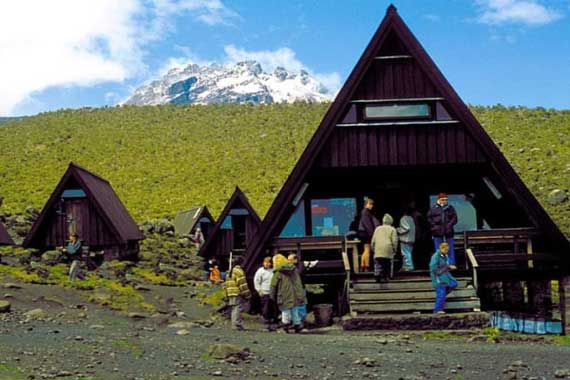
{"x": 5, "y": 238}
{"x": 399, "y": 133}
{"x": 233, "y": 231}
{"x": 86, "y": 204}
{"x": 186, "y": 222}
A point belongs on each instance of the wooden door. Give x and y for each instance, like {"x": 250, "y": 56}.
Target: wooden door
{"x": 77, "y": 215}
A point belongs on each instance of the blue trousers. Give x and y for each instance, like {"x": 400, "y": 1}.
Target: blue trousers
{"x": 441, "y": 292}
{"x": 437, "y": 240}
{"x": 407, "y": 249}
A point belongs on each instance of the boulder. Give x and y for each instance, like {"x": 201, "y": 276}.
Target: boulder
{"x": 5, "y": 306}
{"x": 556, "y": 197}
{"x": 223, "y": 351}
{"x": 51, "y": 257}
{"x": 35, "y": 314}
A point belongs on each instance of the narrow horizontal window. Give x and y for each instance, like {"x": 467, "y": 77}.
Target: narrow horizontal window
{"x": 397, "y": 111}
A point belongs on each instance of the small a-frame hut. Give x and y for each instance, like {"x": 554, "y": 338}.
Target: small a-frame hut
{"x": 86, "y": 204}
{"x": 399, "y": 133}
{"x": 5, "y": 238}
{"x": 186, "y": 222}
{"x": 233, "y": 231}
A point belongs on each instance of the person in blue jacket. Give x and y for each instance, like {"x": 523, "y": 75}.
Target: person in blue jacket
{"x": 442, "y": 280}
{"x": 73, "y": 251}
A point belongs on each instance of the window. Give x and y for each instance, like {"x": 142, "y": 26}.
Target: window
{"x": 332, "y": 216}
{"x": 296, "y": 225}
{"x": 466, "y": 213}
{"x": 397, "y": 111}
{"x": 73, "y": 193}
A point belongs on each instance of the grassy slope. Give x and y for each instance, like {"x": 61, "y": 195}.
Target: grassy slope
{"x": 163, "y": 159}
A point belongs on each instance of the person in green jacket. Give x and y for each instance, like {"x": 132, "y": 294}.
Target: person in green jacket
{"x": 287, "y": 291}
{"x": 441, "y": 279}
{"x": 238, "y": 293}
{"x": 73, "y": 251}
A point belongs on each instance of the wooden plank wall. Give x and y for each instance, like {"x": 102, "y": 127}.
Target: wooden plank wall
{"x": 395, "y": 79}
{"x": 399, "y": 145}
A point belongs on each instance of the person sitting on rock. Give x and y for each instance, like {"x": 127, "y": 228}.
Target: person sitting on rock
{"x": 287, "y": 291}
{"x": 441, "y": 279}
{"x": 73, "y": 251}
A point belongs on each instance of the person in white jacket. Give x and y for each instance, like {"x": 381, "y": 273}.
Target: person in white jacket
{"x": 407, "y": 237}
{"x": 262, "y": 285}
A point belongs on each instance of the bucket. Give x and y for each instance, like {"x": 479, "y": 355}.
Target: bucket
{"x": 323, "y": 314}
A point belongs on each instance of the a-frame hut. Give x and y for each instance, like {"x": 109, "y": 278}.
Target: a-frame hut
{"x": 5, "y": 238}
{"x": 186, "y": 222}
{"x": 86, "y": 204}
{"x": 399, "y": 133}
{"x": 234, "y": 229}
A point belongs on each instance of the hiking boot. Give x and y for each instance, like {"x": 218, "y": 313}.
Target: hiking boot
{"x": 286, "y": 327}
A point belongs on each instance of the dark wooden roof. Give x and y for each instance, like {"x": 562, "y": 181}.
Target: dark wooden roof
{"x": 393, "y": 37}
{"x": 185, "y": 221}
{"x": 237, "y": 200}
{"x": 103, "y": 197}
{"x": 5, "y": 238}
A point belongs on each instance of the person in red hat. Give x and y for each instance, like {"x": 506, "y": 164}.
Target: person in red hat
{"x": 442, "y": 217}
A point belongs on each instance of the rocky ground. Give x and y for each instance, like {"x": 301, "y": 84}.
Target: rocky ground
{"x": 52, "y": 332}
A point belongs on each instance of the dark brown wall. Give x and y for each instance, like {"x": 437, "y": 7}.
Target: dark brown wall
{"x": 399, "y": 145}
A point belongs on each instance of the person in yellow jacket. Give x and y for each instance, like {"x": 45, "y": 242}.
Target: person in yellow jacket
{"x": 237, "y": 292}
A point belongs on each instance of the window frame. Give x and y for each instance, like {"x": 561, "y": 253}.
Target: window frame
{"x": 429, "y": 116}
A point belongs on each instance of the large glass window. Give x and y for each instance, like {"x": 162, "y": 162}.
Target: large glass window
{"x": 397, "y": 111}
{"x": 331, "y": 217}
{"x": 466, "y": 213}
{"x": 295, "y": 227}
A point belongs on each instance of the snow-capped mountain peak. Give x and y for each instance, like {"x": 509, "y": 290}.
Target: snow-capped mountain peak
{"x": 242, "y": 82}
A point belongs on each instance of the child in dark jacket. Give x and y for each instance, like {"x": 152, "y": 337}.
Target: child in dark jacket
{"x": 287, "y": 291}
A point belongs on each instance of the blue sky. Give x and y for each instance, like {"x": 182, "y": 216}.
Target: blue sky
{"x": 76, "y": 53}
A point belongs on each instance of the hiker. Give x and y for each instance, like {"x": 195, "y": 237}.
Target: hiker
{"x": 237, "y": 292}
{"x": 287, "y": 291}
{"x": 407, "y": 238}
{"x": 300, "y": 265}
{"x": 262, "y": 284}
{"x": 384, "y": 245}
{"x": 443, "y": 282}
{"x": 442, "y": 217}
{"x": 366, "y": 227}
{"x": 215, "y": 276}
{"x": 198, "y": 238}
{"x": 73, "y": 251}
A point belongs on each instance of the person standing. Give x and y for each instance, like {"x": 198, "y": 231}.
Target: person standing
{"x": 287, "y": 291}
{"x": 442, "y": 281}
{"x": 262, "y": 284}
{"x": 407, "y": 237}
{"x": 366, "y": 227}
{"x": 300, "y": 265}
{"x": 198, "y": 238}
{"x": 73, "y": 251}
{"x": 384, "y": 245}
{"x": 442, "y": 217}
{"x": 238, "y": 293}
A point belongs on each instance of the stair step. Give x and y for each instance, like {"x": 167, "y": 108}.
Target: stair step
{"x": 451, "y": 304}
{"x": 407, "y": 295}
{"x": 400, "y": 285}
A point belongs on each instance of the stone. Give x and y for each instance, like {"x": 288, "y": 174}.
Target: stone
{"x": 135, "y": 315}
{"x": 97, "y": 327}
{"x": 183, "y": 332}
{"x": 10, "y": 285}
{"x": 5, "y": 306}
{"x": 562, "y": 373}
{"x": 556, "y": 197}
{"x": 223, "y": 351}
{"x": 35, "y": 314}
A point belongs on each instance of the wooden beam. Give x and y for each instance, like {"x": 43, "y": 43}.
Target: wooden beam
{"x": 398, "y": 100}
{"x": 396, "y": 123}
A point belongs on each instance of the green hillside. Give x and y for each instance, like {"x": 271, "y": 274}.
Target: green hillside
{"x": 167, "y": 158}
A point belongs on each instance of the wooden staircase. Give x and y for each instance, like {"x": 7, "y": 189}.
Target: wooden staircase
{"x": 408, "y": 293}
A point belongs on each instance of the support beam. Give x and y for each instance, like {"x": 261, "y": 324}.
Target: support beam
{"x": 564, "y": 291}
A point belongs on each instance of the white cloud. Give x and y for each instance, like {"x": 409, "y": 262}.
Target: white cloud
{"x": 284, "y": 57}
{"x": 83, "y": 42}
{"x": 527, "y": 12}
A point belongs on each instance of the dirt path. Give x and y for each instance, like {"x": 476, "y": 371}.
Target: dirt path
{"x": 75, "y": 340}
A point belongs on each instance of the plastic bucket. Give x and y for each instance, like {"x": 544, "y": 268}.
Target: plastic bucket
{"x": 323, "y": 314}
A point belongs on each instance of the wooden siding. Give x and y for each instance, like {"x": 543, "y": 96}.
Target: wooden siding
{"x": 395, "y": 79}
{"x": 399, "y": 145}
